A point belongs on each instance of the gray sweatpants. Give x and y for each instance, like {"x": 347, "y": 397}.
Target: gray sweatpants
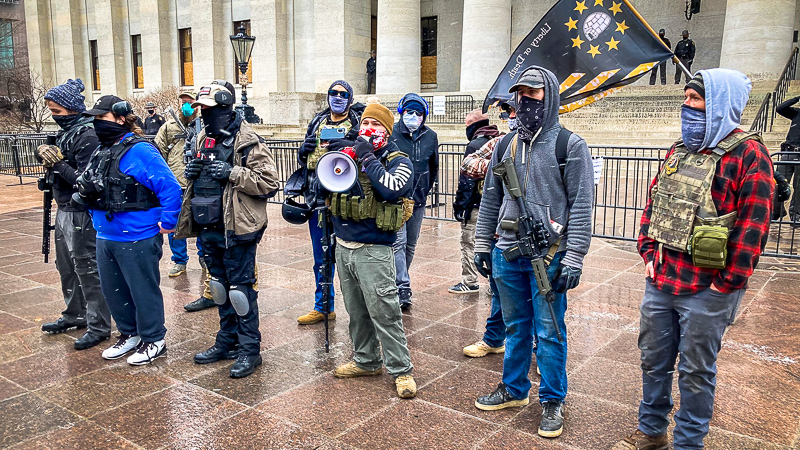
{"x": 469, "y": 273}
{"x": 367, "y": 276}
{"x": 77, "y": 265}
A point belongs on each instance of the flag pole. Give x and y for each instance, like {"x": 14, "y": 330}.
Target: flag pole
{"x": 675, "y": 59}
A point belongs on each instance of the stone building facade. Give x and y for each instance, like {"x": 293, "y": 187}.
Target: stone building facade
{"x": 129, "y": 46}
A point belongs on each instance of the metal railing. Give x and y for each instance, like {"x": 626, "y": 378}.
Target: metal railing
{"x": 765, "y": 117}
{"x": 456, "y": 108}
{"x": 762, "y": 121}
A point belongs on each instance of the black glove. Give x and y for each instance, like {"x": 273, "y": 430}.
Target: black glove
{"x": 220, "y": 170}
{"x": 782, "y": 190}
{"x": 193, "y": 169}
{"x": 459, "y": 215}
{"x": 337, "y": 145}
{"x": 483, "y": 262}
{"x": 309, "y": 145}
{"x": 567, "y": 277}
{"x": 363, "y": 148}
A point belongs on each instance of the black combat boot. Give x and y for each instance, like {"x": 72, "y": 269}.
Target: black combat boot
{"x": 245, "y": 365}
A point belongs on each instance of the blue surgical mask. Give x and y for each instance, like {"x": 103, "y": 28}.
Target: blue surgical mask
{"x": 187, "y": 109}
{"x": 338, "y": 104}
{"x": 512, "y": 123}
{"x": 693, "y": 127}
{"x": 412, "y": 121}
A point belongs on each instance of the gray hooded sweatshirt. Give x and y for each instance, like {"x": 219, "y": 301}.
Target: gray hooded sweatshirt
{"x": 565, "y": 205}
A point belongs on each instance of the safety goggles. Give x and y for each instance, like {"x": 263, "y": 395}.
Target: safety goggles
{"x": 335, "y": 93}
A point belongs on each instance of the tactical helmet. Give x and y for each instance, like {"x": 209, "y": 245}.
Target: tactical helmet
{"x": 294, "y": 212}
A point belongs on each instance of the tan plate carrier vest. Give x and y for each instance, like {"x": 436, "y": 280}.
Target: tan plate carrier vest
{"x": 388, "y": 216}
{"x": 683, "y": 216}
{"x": 311, "y": 162}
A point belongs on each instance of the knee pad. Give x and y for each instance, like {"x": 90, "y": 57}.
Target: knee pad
{"x": 239, "y": 300}
{"x": 218, "y": 291}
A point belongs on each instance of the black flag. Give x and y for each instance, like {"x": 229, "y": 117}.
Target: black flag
{"x": 592, "y": 46}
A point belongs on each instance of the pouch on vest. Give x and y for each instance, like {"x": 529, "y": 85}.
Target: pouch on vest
{"x": 206, "y": 210}
{"x": 709, "y": 246}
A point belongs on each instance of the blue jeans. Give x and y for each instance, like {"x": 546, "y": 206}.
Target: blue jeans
{"x": 523, "y": 317}
{"x": 316, "y": 245}
{"x": 495, "y": 333}
{"x": 405, "y": 245}
{"x": 692, "y": 326}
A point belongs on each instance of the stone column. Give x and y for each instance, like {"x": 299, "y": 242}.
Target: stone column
{"x": 160, "y": 54}
{"x": 70, "y": 46}
{"x": 211, "y": 46}
{"x": 398, "y": 52}
{"x": 113, "y": 47}
{"x": 485, "y": 45}
{"x": 305, "y": 65}
{"x": 269, "y": 51}
{"x": 758, "y": 36}
{"x": 342, "y": 34}
{"x": 40, "y": 41}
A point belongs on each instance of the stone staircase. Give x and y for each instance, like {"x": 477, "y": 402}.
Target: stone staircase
{"x": 633, "y": 116}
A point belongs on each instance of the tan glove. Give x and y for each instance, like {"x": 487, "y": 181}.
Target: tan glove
{"x": 49, "y": 154}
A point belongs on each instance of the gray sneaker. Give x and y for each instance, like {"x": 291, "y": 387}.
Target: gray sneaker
{"x": 552, "y": 423}
{"x": 177, "y": 270}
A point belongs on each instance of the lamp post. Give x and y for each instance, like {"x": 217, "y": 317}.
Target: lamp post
{"x": 242, "y": 48}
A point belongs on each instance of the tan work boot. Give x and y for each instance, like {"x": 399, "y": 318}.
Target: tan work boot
{"x": 481, "y": 348}
{"x": 177, "y": 270}
{"x": 313, "y": 317}
{"x": 351, "y": 370}
{"x": 406, "y": 386}
{"x": 641, "y": 441}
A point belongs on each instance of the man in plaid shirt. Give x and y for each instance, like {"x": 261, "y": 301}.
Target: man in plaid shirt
{"x": 686, "y": 308}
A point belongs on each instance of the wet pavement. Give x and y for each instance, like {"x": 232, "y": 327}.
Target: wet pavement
{"x": 52, "y": 396}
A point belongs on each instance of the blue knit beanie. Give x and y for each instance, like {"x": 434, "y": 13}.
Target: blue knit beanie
{"x": 68, "y": 95}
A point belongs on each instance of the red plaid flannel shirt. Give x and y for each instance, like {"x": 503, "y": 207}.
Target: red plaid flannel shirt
{"x": 476, "y": 164}
{"x": 743, "y": 183}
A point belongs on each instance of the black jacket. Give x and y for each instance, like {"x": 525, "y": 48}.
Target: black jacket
{"x": 468, "y": 196}
{"x": 152, "y": 124}
{"x": 785, "y": 109}
{"x": 371, "y": 66}
{"x": 77, "y": 151}
{"x": 685, "y": 49}
{"x": 422, "y": 147}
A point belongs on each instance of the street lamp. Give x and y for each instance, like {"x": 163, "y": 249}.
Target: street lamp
{"x": 242, "y": 48}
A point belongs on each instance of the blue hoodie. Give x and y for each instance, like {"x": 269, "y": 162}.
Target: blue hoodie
{"x": 727, "y": 92}
{"x": 144, "y": 163}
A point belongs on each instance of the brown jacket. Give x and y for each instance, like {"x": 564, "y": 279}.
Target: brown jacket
{"x": 170, "y": 144}
{"x": 244, "y": 200}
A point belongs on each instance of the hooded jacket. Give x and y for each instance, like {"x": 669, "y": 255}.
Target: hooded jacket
{"x": 422, "y": 147}
{"x": 78, "y": 142}
{"x": 253, "y": 180}
{"x": 727, "y": 92}
{"x": 563, "y": 204}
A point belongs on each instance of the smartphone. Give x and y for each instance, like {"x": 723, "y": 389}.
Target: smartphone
{"x": 329, "y": 134}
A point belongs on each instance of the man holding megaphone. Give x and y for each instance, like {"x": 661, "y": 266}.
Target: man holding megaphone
{"x": 366, "y": 184}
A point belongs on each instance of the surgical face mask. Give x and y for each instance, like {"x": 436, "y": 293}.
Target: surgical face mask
{"x": 338, "y": 104}
{"x": 693, "y": 127}
{"x": 66, "y": 122}
{"x": 109, "y": 132}
{"x": 216, "y": 120}
{"x": 530, "y": 113}
{"x": 187, "y": 110}
{"x": 512, "y": 123}
{"x": 412, "y": 121}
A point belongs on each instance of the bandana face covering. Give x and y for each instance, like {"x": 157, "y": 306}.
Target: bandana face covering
{"x": 109, "y": 132}
{"x": 412, "y": 121}
{"x": 338, "y": 104}
{"x": 378, "y": 138}
{"x": 216, "y": 119}
{"x": 66, "y": 122}
{"x": 693, "y": 127}
{"x": 512, "y": 123}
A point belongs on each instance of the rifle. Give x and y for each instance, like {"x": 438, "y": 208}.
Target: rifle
{"x": 45, "y": 184}
{"x": 326, "y": 269}
{"x": 534, "y": 237}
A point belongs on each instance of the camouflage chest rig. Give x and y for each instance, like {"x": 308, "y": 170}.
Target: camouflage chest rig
{"x": 314, "y": 157}
{"x": 683, "y": 216}
{"x": 388, "y": 216}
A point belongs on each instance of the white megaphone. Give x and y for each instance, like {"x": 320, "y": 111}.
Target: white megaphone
{"x": 337, "y": 171}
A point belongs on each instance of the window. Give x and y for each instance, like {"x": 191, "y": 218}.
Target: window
{"x": 236, "y": 26}
{"x": 428, "y": 66}
{"x": 185, "y": 44}
{"x": 95, "y": 66}
{"x": 136, "y": 53}
{"x": 6, "y": 44}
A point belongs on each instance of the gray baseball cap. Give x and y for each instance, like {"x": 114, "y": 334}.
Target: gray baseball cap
{"x": 532, "y": 78}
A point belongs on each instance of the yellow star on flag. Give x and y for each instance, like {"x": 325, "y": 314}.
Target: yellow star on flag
{"x": 594, "y": 50}
{"x": 572, "y": 24}
{"x": 612, "y": 44}
{"x": 599, "y": 2}
{"x": 576, "y": 42}
{"x": 580, "y": 6}
{"x": 621, "y": 27}
{"x": 615, "y": 7}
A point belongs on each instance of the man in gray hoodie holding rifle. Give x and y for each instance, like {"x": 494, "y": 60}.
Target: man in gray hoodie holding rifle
{"x": 552, "y": 168}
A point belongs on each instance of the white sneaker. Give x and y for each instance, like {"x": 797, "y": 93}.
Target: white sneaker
{"x": 124, "y": 344}
{"x": 147, "y": 353}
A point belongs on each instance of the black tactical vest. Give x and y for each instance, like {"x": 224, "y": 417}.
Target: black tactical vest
{"x": 121, "y": 192}
{"x": 205, "y": 185}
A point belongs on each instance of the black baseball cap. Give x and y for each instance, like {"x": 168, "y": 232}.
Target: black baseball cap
{"x": 103, "y": 105}
{"x": 228, "y": 86}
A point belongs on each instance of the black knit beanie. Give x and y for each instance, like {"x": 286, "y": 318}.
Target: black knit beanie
{"x": 696, "y": 83}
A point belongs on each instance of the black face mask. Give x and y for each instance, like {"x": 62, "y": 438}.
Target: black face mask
{"x": 216, "y": 120}
{"x": 530, "y": 113}
{"x": 66, "y": 122}
{"x": 108, "y": 133}
{"x": 472, "y": 129}
{"x": 151, "y": 111}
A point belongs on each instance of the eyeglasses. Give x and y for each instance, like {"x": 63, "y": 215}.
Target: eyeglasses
{"x": 414, "y": 112}
{"x": 335, "y": 93}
